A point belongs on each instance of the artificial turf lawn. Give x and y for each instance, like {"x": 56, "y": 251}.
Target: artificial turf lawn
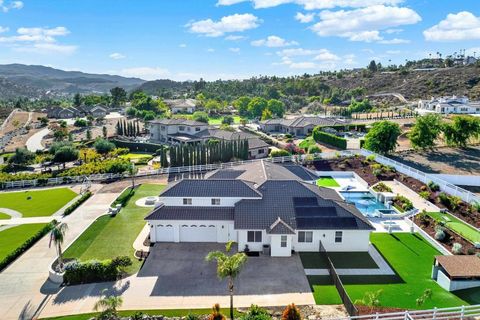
{"x": 327, "y": 182}
{"x": 165, "y": 313}
{"x": 42, "y": 203}
{"x": 456, "y": 225}
{"x": 109, "y": 237}
{"x": 341, "y": 260}
{"x": 135, "y": 156}
{"x": 4, "y": 216}
{"x": 411, "y": 257}
{"x": 12, "y": 238}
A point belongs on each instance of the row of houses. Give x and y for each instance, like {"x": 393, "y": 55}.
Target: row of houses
{"x": 76, "y": 112}
{"x": 300, "y": 126}
{"x": 175, "y": 131}
{"x": 448, "y": 105}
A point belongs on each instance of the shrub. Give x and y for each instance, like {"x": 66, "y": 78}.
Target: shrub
{"x": 440, "y": 235}
{"x": 200, "y": 116}
{"x": 216, "y": 313}
{"x": 457, "y": 248}
{"x": 77, "y": 203}
{"x": 424, "y": 194}
{"x": 115, "y": 165}
{"x": 314, "y": 149}
{"x": 279, "y": 153}
{"x": 403, "y": 203}
{"x": 291, "y": 312}
{"x": 81, "y": 123}
{"x": 26, "y": 245}
{"x": 320, "y": 136}
{"x": 124, "y": 197}
{"x": 471, "y": 251}
{"x": 370, "y": 158}
{"x": 451, "y": 202}
{"x": 95, "y": 271}
{"x": 382, "y": 187}
{"x": 189, "y": 316}
{"x": 256, "y": 313}
{"x": 103, "y": 146}
{"x": 433, "y": 186}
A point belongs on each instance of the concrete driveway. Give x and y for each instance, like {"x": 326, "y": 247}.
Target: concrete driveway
{"x": 181, "y": 270}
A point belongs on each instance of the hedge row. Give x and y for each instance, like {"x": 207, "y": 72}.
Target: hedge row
{"x": 95, "y": 271}
{"x": 26, "y": 245}
{"x": 357, "y": 127}
{"x": 77, "y": 203}
{"x": 320, "y": 136}
{"x": 137, "y": 146}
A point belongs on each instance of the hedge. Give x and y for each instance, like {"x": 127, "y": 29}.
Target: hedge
{"x": 95, "y": 271}
{"x": 357, "y": 127}
{"x": 320, "y": 136}
{"x": 26, "y": 245}
{"x": 77, "y": 203}
{"x": 124, "y": 197}
{"x": 137, "y": 146}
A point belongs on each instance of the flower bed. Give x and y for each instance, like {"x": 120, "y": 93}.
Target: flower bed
{"x": 381, "y": 187}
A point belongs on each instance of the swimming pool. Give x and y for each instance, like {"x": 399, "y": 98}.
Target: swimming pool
{"x": 364, "y": 201}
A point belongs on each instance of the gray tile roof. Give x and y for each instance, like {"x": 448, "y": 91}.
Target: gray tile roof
{"x": 280, "y": 227}
{"x": 253, "y": 141}
{"x": 191, "y": 213}
{"x": 211, "y": 188}
{"x": 178, "y": 122}
{"x": 304, "y": 121}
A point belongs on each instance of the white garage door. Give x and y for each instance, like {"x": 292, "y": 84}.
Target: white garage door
{"x": 164, "y": 233}
{"x": 198, "y": 233}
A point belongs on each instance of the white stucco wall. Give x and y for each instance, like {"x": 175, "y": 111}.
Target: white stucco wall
{"x": 200, "y": 202}
{"x": 224, "y": 229}
{"x": 275, "y": 248}
{"x": 253, "y": 246}
{"x": 352, "y": 240}
{"x": 254, "y": 153}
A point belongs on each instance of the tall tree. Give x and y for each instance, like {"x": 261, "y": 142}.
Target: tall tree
{"x": 119, "y": 96}
{"x": 425, "y": 131}
{"x": 461, "y": 130}
{"x": 77, "y": 100}
{"x": 228, "y": 267}
{"x": 382, "y": 137}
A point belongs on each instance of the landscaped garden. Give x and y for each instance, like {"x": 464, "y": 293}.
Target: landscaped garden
{"x": 456, "y": 225}
{"x": 327, "y": 182}
{"x": 411, "y": 257}
{"x": 110, "y": 237}
{"x": 12, "y": 238}
{"x": 39, "y": 203}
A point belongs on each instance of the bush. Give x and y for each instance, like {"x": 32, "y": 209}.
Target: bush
{"x": 116, "y": 165}
{"x": 256, "y": 313}
{"x": 200, "y": 116}
{"x": 471, "y": 251}
{"x": 433, "y": 186}
{"x": 77, "y": 203}
{"x": 137, "y": 146}
{"x": 291, "y": 312}
{"x": 314, "y": 149}
{"x": 216, "y": 313}
{"x": 103, "y": 146}
{"x": 402, "y": 203}
{"x": 382, "y": 187}
{"x": 440, "y": 235}
{"x": 451, "y": 202}
{"x": 279, "y": 153}
{"x": 81, "y": 123}
{"x": 457, "y": 248}
{"x": 424, "y": 194}
{"x": 95, "y": 271}
{"x": 26, "y": 245}
{"x": 320, "y": 136}
{"x": 124, "y": 197}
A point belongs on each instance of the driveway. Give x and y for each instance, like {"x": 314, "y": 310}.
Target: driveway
{"x": 34, "y": 143}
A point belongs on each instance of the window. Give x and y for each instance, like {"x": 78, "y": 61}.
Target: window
{"x": 187, "y": 201}
{"x": 260, "y": 151}
{"x": 181, "y": 128}
{"x": 338, "y": 236}
{"x": 162, "y": 128}
{"x": 305, "y": 236}
{"x": 197, "y": 129}
{"x": 188, "y": 128}
{"x": 254, "y": 236}
{"x": 215, "y": 202}
{"x": 283, "y": 241}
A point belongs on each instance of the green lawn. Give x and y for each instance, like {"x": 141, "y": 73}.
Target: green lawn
{"x": 307, "y": 142}
{"x": 135, "y": 156}
{"x": 4, "y": 216}
{"x": 166, "y": 313}
{"x": 110, "y": 237}
{"x": 457, "y": 225}
{"x": 411, "y": 257}
{"x": 218, "y": 120}
{"x": 327, "y": 182}
{"x": 12, "y": 238}
{"x": 341, "y": 260}
{"x": 42, "y": 203}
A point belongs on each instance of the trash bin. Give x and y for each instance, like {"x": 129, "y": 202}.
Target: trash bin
{"x": 266, "y": 249}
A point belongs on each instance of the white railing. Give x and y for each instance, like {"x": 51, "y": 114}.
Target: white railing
{"x": 169, "y": 170}
{"x": 463, "y": 312}
{"x": 445, "y": 186}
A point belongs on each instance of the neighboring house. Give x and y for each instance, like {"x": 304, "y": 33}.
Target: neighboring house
{"x": 98, "y": 112}
{"x": 262, "y": 206}
{"x": 74, "y": 112}
{"x": 181, "y": 105}
{"x": 174, "y": 131}
{"x": 300, "y": 126}
{"x": 448, "y": 105}
{"x": 457, "y": 272}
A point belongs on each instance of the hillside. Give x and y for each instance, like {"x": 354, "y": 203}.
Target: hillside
{"x": 17, "y": 80}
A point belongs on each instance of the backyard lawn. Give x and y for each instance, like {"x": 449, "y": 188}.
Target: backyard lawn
{"x": 327, "y": 182}
{"x": 341, "y": 260}
{"x": 411, "y": 257}
{"x": 110, "y": 237}
{"x": 4, "y": 216}
{"x": 12, "y": 238}
{"x": 456, "y": 225}
{"x": 39, "y": 203}
{"x": 135, "y": 156}
{"x": 218, "y": 120}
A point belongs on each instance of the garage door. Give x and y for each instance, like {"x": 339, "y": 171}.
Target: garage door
{"x": 164, "y": 233}
{"x": 198, "y": 233}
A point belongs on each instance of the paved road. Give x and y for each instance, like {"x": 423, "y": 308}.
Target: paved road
{"x": 23, "y": 285}
{"x": 34, "y": 143}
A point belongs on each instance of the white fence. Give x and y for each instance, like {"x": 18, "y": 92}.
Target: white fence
{"x": 445, "y": 186}
{"x": 170, "y": 170}
{"x": 460, "y": 179}
{"x": 463, "y": 312}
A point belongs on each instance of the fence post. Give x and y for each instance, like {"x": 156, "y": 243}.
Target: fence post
{"x": 434, "y": 315}
{"x": 462, "y": 314}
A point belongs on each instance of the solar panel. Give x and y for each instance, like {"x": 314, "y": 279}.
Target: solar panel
{"x": 315, "y": 211}
{"x": 305, "y": 201}
{"x": 327, "y": 223}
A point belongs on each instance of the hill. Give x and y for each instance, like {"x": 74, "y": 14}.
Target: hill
{"x": 30, "y": 81}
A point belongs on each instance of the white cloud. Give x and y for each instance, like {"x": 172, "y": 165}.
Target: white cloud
{"x": 298, "y": 52}
{"x": 393, "y": 31}
{"x": 304, "y": 17}
{"x": 363, "y": 24}
{"x": 146, "y": 73}
{"x": 273, "y": 42}
{"x": 182, "y": 45}
{"x": 326, "y": 55}
{"x": 312, "y": 4}
{"x": 303, "y": 65}
{"x": 210, "y": 50}
{"x": 394, "y": 41}
{"x": 117, "y": 56}
{"x": 6, "y": 6}
{"x": 393, "y": 52}
{"x": 455, "y": 27}
{"x": 235, "y": 37}
{"x": 234, "y": 50}
{"x": 39, "y": 40}
{"x": 319, "y": 59}
{"x": 4, "y": 29}
{"x": 233, "y": 23}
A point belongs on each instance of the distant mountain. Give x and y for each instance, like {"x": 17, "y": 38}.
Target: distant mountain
{"x": 18, "y": 80}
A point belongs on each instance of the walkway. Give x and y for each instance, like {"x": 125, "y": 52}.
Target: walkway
{"x": 418, "y": 202}
{"x": 23, "y": 285}
{"x": 34, "y": 143}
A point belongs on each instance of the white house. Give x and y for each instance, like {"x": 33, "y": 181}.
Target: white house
{"x": 259, "y": 205}
{"x": 457, "y": 272}
{"x": 448, "y": 105}
{"x": 181, "y": 105}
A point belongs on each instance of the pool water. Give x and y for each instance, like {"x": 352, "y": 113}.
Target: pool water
{"x": 364, "y": 201}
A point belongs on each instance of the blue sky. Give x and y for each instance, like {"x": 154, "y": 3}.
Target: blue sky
{"x": 189, "y": 39}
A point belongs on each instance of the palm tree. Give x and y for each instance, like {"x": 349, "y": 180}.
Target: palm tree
{"x": 228, "y": 266}
{"x": 108, "y": 305}
{"x": 132, "y": 171}
{"x": 57, "y": 235}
